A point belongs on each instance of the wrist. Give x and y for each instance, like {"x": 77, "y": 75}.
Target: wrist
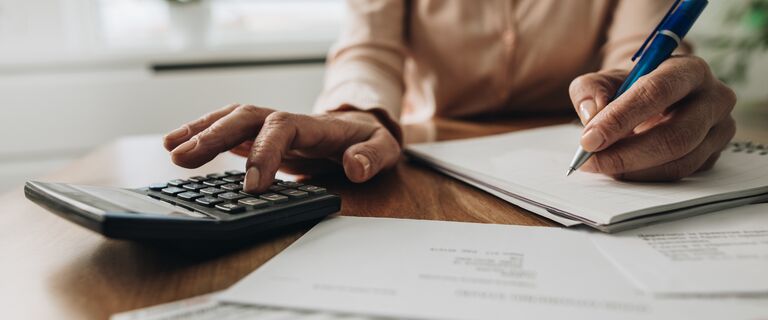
{"x": 377, "y": 115}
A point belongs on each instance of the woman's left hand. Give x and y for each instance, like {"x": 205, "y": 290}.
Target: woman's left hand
{"x": 671, "y": 123}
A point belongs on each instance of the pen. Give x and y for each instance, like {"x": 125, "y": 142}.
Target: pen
{"x": 664, "y": 39}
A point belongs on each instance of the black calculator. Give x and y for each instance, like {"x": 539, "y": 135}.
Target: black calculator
{"x": 211, "y": 207}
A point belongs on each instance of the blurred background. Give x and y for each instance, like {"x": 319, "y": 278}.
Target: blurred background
{"x": 75, "y": 74}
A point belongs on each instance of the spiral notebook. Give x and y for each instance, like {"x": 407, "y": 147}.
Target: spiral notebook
{"x": 526, "y": 168}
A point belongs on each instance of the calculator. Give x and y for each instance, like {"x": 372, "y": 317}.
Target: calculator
{"x": 211, "y": 207}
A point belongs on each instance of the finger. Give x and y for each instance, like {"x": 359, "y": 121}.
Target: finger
{"x": 710, "y": 163}
{"x": 652, "y": 94}
{"x": 226, "y": 133}
{"x": 701, "y": 158}
{"x": 365, "y": 159}
{"x": 674, "y": 137}
{"x": 187, "y": 131}
{"x": 283, "y": 132}
{"x": 591, "y": 92}
{"x": 243, "y": 149}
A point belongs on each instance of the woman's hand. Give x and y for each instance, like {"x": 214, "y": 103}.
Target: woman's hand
{"x": 272, "y": 140}
{"x": 670, "y": 124}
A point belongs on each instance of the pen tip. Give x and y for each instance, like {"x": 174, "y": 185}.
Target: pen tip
{"x": 570, "y": 170}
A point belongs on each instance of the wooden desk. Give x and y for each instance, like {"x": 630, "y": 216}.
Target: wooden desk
{"x": 53, "y": 269}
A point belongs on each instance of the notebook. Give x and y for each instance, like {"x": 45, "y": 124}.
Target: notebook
{"x": 526, "y": 168}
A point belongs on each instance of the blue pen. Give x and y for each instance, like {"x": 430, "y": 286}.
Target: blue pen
{"x": 663, "y": 41}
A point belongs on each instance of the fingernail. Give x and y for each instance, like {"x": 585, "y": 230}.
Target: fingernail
{"x": 365, "y": 162}
{"x": 186, "y": 146}
{"x": 585, "y": 109}
{"x": 592, "y": 140}
{"x": 252, "y": 178}
{"x": 178, "y": 133}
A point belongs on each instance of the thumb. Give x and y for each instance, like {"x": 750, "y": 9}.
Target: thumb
{"x": 590, "y": 93}
{"x": 364, "y": 160}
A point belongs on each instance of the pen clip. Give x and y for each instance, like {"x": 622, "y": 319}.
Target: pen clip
{"x": 655, "y": 31}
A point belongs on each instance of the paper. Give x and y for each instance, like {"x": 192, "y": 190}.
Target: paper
{"x": 208, "y": 308}
{"x": 450, "y": 270}
{"x": 531, "y": 164}
{"x": 720, "y": 253}
{"x": 501, "y": 195}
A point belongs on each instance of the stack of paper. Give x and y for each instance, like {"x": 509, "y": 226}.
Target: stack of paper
{"x": 527, "y": 168}
{"x": 707, "y": 267}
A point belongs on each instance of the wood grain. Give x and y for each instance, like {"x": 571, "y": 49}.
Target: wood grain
{"x": 53, "y": 269}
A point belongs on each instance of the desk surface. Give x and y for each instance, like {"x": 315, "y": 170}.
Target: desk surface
{"x": 52, "y": 269}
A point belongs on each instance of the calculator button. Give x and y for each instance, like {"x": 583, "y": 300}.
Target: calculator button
{"x": 256, "y": 203}
{"x": 214, "y": 183}
{"x": 230, "y": 207}
{"x": 313, "y": 189}
{"x": 209, "y": 201}
{"x": 232, "y": 187}
{"x": 173, "y": 190}
{"x": 193, "y": 186}
{"x": 289, "y": 184}
{"x": 234, "y": 172}
{"x": 234, "y": 178}
{"x": 178, "y": 182}
{"x": 189, "y": 195}
{"x": 212, "y": 191}
{"x": 248, "y": 194}
{"x": 276, "y": 188}
{"x": 199, "y": 179}
{"x": 216, "y": 175}
{"x": 158, "y": 186}
{"x": 231, "y": 196}
{"x": 295, "y": 193}
{"x": 274, "y": 197}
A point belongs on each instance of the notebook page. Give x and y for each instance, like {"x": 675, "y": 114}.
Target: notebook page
{"x": 532, "y": 164}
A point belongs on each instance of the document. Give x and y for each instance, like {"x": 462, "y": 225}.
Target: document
{"x": 450, "y": 270}
{"x": 721, "y": 253}
{"x": 527, "y": 169}
{"x": 208, "y": 308}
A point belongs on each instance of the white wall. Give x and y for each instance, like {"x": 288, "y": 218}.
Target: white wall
{"x": 75, "y": 74}
{"x": 48, "y": 119}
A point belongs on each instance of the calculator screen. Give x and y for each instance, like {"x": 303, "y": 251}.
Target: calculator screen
{"x": 109, "y": 199}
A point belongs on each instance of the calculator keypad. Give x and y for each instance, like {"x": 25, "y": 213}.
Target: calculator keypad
{"x": 223, "y": 193}
{"x": 273, "y": 197}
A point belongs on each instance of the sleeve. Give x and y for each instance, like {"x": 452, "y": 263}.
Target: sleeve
{"x": 364, "y": 69}
{"x": 631, "y": 24}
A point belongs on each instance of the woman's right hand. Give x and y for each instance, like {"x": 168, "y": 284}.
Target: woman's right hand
{"x": 272, "y": 140}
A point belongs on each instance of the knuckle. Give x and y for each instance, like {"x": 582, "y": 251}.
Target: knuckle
{"x": 729, "y": 97}
{"x": 651, "y": 90}
{"x": 392, "y": 143}
{"x": 372, "y": 153}
{"x": 676, "y": 171}
{"x": 229, "y": 108}
{"x": 248, "y": 109}
{"x": 698, "y": 63}
{"x": 613, "y": 123}
{"x": 675, "y": 142}
{"x": 203, "y": 121}
{"x": 263, "y": 150}
{"x": 579, "y": 82}
{"x": 211, "y": 137}
{"x": 610, "y": 163}
{"x": 278, "y": 119}
{"x": 730, "y": 127}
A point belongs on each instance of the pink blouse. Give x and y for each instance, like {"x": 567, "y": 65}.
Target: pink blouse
{"x": 456, "y": 58}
